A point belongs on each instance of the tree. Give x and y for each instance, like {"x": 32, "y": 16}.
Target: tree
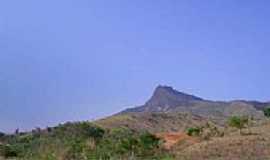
{"x": 17, "y": 131}
{"x": 148, "y": 140}
{"x": 238, "y": 122}
{"x": 2, "y": 134}
{"x": 49, "y": 129}
{"x": 9, "y": 151}
{"x": 194, "y": 131}
{"x": 96, "y": 132}
{"x": 266, "y": 112}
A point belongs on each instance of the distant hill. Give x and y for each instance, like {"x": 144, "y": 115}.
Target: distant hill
{"x": 171, "y": 125}
{"x": 168, "y": 100}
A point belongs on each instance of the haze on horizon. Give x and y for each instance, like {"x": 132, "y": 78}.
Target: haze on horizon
{"x": 72, "y": 60}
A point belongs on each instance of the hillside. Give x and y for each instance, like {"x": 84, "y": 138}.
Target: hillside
{"x": 253, "y": 146}
{"x": 81, "y": 141}
{"x": 168, "y": 100}
{"x": 171, "y": 125}
{"x": 152, "y": 122}
{"x": 100, "y": 140}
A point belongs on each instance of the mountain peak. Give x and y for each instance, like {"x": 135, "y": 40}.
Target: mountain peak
{"x": 163, "y": 90}
{"x": 166, "y": 96}
{"x": 166, "y": 99}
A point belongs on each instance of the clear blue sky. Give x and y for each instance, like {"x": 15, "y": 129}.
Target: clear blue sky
{"x": 66, "y": 60}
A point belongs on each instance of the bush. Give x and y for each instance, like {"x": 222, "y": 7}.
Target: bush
{"x": 82, "y": 140}
{"x": 123, "y": 143}
{"x": 194, "y": 131}
{"x": 266, "y": 112}
{"x": 238, "y": 122}
{"x": 210, "y": 130}
{"x": 2, "y": 134}
{"x": 82, "y": 130}
{"x": 9, "y": 151}
{"x": 96, "y": 132}
{"x": 128, "y": 144}
{"x": 75, "y": 150}
{"x": 149, "y": 141}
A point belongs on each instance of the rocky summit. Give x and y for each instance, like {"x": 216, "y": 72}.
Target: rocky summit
{"x": 166, "y": 99}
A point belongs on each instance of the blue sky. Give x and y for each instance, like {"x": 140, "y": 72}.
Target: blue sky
{"x": 67, "y": 60}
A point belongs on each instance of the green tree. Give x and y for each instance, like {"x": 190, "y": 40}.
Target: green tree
{"x": 266, "y": 112}
{"x": 194, "y": 131}
{"x": 2, "y": 134}
{"x": 148, "y": 140}
{"x": 238, "y": 122}
{"x": 96, "y": 132}
{"x": 9, "y": 151}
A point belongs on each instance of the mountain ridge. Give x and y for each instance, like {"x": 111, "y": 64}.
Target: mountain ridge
{"x": 167, "y": 99}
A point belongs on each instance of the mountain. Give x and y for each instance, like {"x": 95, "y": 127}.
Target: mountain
{"x": 168, "y": 100}
{"x": 164, "y": 99}
{"x": 170, "y": 125}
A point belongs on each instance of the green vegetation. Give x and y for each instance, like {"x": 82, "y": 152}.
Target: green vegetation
{"x": 2, "y": 134}
{"x": 194, "y": 131}
{"x": 238, "y": 122}
{"x": 266, "y": 112}
{"x": 81, "y": 141}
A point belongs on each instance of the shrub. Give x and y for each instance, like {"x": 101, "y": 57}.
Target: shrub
{"x": 148, "y": 141}
{"x": 211, "y": 130}
{"x": 87, "y": 129}
{"x": 96, "y": 132}
{"x": 49, "y": 129}
{"x": 2, "y": 134}
{"x": 194, "y": 131}
{"x": 238, "y": 122}
{"x": 266, "y": 112}
{"x": 128, "y": 144}
{"x": 75, "y": 150}
{"x": 118, "y": 133}
{"x": 9, "y": 151}
{"x": 17, "y": 131}
{"x": 82, "y": 140}
{"x": 167, "y": 158}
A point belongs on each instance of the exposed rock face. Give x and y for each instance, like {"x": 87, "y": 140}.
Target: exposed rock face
{"x": 166, "y": 99}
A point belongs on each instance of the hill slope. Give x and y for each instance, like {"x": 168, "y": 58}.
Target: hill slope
{"x": 152, "y": 122}
{"x": 166, "y": 99}
{"x": 156, "y": 130}
{"x": 256, "y": 145}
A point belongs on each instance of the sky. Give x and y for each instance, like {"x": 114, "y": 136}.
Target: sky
{"x": 70, "y": 60}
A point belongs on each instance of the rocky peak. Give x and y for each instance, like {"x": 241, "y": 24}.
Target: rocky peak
{"x": 166, "y": 96}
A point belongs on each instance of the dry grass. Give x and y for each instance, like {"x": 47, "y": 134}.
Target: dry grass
{"x": 153, "y": 122}
{"x": 255, "y": 146}
{"x": 173, "y": 138}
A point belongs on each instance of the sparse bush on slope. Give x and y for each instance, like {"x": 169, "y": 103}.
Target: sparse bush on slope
{"x": 266, "y": 112}
{"x": 2, "y": 134}
{"x": 194, "y": 131}
{"x": 238, "y": 122}
{"x": 81, "y": 141}
{"x": 9, "y": 151}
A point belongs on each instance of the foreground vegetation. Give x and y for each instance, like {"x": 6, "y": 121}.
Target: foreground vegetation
{"x": 93, "y": 141}
{"x": 81, "y": 141}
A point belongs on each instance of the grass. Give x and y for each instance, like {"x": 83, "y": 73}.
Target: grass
{"x": 232, "y": 146}
{"x": 81, "y": 141}
{"x": 117, "y": 138}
